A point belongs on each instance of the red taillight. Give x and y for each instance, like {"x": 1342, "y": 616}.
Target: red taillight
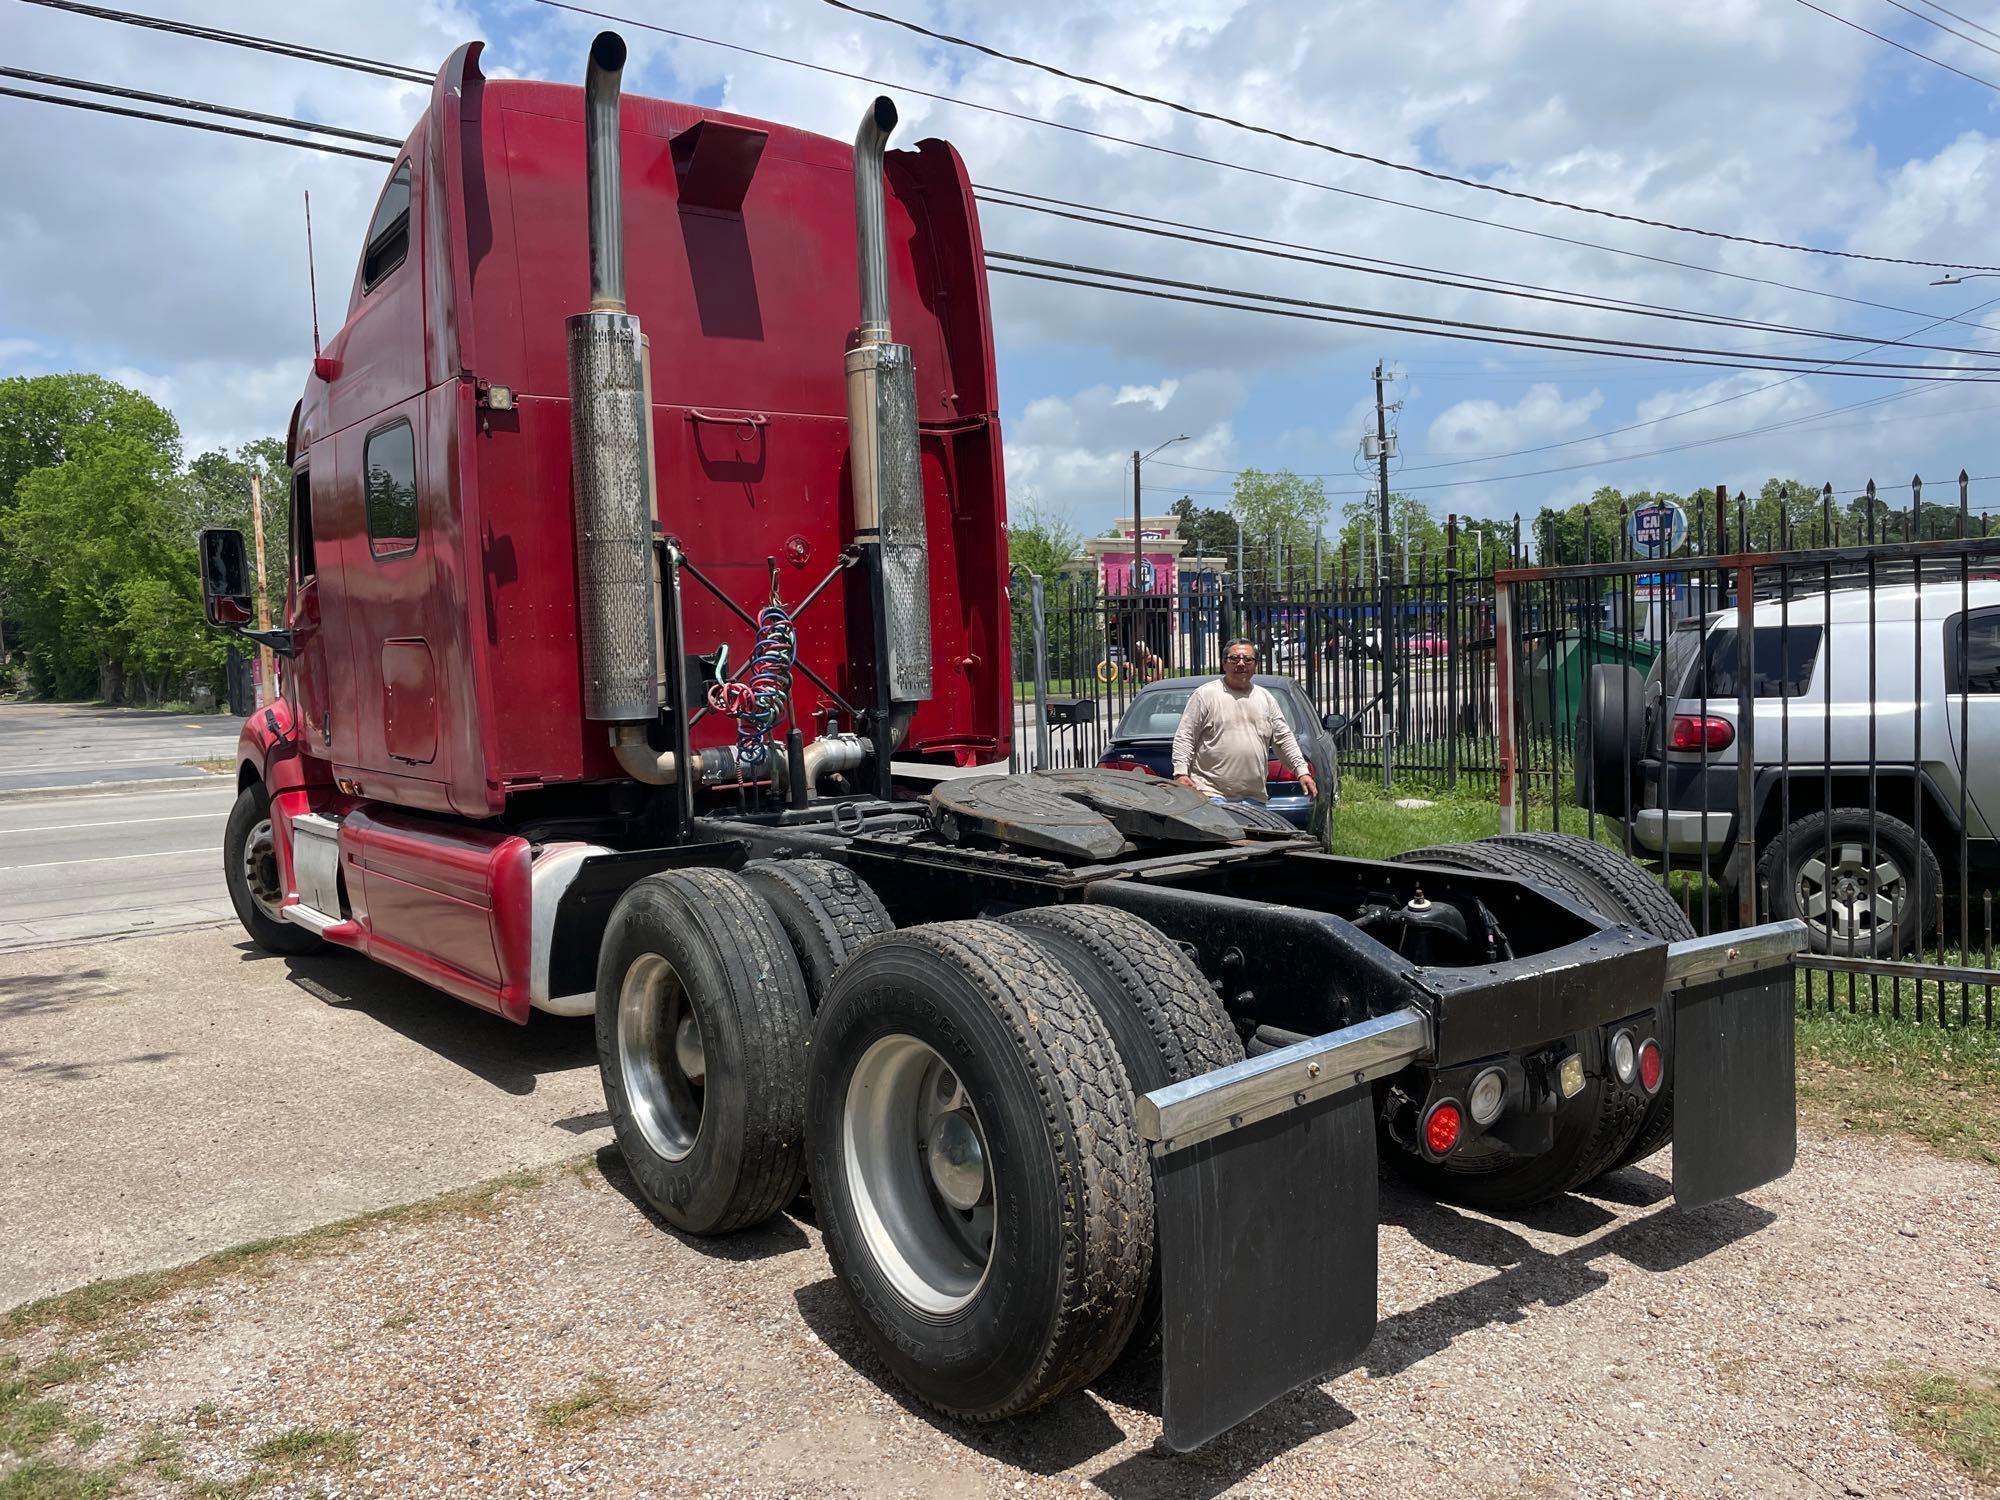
{"x": 1125, "y": 763}
{"x": 1277, "y": 770}
{"x": 1442, "y": 1126}
{"x": 1695, "y": 732}
{"x": 1652, "y": 1066}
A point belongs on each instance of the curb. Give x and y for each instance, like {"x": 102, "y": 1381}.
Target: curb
{"x": 114, "y": 788}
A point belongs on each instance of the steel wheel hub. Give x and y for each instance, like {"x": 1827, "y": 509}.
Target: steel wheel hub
{"x": 260, "y": 871}
{"x": 917, "y": 1167}
{"x": 661, "y": 1059}
{"x": 1850, "y": 898}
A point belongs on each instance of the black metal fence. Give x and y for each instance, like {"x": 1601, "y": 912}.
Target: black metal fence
{"x": 1836, "y": 671}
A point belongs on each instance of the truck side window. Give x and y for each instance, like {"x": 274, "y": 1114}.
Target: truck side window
{"x": 388, "y": 232}
{"x": 304, "y": 567}
{"x": 391, "y": 461}
{"x": 1973, "y": 665}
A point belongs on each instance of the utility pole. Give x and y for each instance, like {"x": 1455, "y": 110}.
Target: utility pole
{"x": 266, "y": 689}
{"x": 1239, "y": 557}
{"x": 1389, "y": 633}
{"x": 1135, "y": 539}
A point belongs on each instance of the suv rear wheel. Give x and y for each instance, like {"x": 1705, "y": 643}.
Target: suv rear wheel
{"x": 1864, "y": 885}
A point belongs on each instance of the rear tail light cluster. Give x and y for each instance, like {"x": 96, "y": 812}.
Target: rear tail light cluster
{"x": 1636, "y": 1061}
{"x": 1700, "y": 732}
{"x": 1277, "y": 770}
{"x": 1487, "y": 1096}
{"x": 1125, "y": 763}
{"x": 1652, "y": 1066}
{"x": 1444, "y": 1122}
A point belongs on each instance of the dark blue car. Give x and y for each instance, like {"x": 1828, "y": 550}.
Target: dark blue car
{"x": 1144, "y": 741}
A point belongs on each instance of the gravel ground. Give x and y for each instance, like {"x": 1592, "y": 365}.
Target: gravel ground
{"x": 1602, "y": 1346}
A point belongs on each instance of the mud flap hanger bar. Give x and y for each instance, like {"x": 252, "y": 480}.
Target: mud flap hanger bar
{"x": 1265, "y": 1175}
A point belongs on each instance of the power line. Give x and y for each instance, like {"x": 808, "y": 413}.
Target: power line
{"x": 145, "y": 114}
{"x": 1461, "y": 328}
{"x": 82, "y": 85}
{"x": 1892, "y": 42}
{"x": 1223, "y": 162}
{"x": 296, "y": 50}
{"x": 1931, "y": 21}
{"x": 1369, "y": 265}
{"x": 1966, "y": 20}
{"x": 1387, "y": 162}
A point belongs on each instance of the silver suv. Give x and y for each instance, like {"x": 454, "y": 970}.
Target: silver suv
{"x": 1875, "y": 743}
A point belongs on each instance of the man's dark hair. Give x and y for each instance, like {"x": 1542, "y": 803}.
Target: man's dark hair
{"x": 1238, "y": 640}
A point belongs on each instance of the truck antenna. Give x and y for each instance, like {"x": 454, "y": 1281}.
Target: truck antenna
{"x": 312, "y": 282}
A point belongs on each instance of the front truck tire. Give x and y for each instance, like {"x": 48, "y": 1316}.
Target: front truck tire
{"x": 1593, "y": 1131}
{"x": 703, "y": 1025}
{"x": 983, "y": 1192}
{"x": 250, "y": 871}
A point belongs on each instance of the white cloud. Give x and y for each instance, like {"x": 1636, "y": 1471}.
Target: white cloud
{"x": 1485, "y": 426}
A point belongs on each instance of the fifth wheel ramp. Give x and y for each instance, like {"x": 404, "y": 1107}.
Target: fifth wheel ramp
{"x": 1078, "y": 815}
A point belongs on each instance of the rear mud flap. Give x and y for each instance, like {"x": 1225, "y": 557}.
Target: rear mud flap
{"x": 1267, "y": 1261}
{"x": 1735, "y": 1085}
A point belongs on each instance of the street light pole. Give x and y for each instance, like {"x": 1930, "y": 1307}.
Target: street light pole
{"x": 1138, "y": 519}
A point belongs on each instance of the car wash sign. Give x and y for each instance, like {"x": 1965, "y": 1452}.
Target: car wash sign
{"x": 1657, "y": 530}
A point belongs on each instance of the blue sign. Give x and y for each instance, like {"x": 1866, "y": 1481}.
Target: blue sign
{"x": 1657, "y": 530}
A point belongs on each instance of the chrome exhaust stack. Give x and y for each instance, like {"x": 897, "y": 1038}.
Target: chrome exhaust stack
{"x": 611, "y": 466}
{"x": 886, "y": 472}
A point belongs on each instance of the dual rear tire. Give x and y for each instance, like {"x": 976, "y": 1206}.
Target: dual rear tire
{"x": 965, "y": 1098}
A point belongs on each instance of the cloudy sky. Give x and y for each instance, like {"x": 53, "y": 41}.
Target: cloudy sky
{"x": 175, "y": 260}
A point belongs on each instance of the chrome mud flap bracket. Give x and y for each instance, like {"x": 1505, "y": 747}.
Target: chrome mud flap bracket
{"x": 1735, "y": 1075}
{"x": 1265, "y": 1201}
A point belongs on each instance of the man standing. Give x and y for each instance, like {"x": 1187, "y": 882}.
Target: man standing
{"x": 1231, "y": 729}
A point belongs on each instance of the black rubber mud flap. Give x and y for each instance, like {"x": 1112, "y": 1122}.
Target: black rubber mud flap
{"x": 1735, "y": 1086}
{"x": 1266, "y": 1241}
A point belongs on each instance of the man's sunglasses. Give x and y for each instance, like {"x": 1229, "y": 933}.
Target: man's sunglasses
{"x": 1238, "y": 661}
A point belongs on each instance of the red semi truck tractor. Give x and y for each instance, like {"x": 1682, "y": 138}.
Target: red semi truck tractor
{"x": 646, "y": 608}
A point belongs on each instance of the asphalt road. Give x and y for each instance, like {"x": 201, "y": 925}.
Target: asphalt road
{"x": 45, "y": 746}
{"x": 108, "y": 864}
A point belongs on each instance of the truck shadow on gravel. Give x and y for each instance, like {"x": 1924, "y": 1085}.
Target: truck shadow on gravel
{"x": 777, "y": 1235}
{"x": 1528, "y": 1274}
{"x": 1069, "y": 1433}
{"x": 511, "y": 1058}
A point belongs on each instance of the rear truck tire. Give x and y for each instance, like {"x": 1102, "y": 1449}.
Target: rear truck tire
{"x": 1613, "y": 718}
{"x": 962, "y": 1084}
{"x": 703, "y": 1028}
{"x": 1592, "y": 1131}
{"x": 250, "y": 870}
{"x": 1165, "y": 1021}
{"x": 1631, "y": 895}
{"x": 1835, "y": 901}
{"x": 827, "y": 912}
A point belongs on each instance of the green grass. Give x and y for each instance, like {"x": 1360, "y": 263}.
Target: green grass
{"x": 298, "y": 1446}
{"x": 1957, "y": 1415}
{"x": 45, "y": 1479}
{"x": 1877, "y": 1075}
{"x": 591, "y": 1404}
{"x": 94, "y": 1304}
{"x": 1369, "y": 825}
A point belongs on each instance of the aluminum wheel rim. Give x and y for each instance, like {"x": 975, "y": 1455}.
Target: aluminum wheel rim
{"x": 913, "y": 1143}
{"x": 260, "y": 871}
{"x": 1851, "y": 899}
{"x": 661, "y": 1057}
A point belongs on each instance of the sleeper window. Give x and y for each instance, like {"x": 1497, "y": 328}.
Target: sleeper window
{"x": 389, "y": 234}
{"x": 391, "y": 461}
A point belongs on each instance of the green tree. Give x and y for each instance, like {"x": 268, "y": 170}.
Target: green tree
{"x": 217, "y": 492}
{"x": 1413, "y": 532}
{"x": 44, "y": 419}
{"x": 1207, "y": 532}
{"x": 1281, "y": 515}
{"x": 1040, "y": 541}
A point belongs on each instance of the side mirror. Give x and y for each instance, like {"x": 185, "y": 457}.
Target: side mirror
{"x": 225, "y": 578}
{"x": 1334, "y": 724}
